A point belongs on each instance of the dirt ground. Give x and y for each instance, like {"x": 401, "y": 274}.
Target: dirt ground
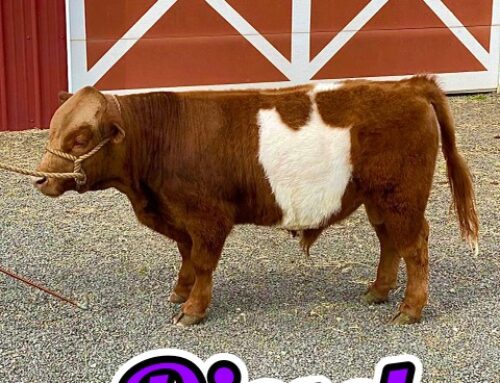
{"x": 285, "y": 315}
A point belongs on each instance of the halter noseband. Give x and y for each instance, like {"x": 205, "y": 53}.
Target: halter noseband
{"x": 78, "y": 173}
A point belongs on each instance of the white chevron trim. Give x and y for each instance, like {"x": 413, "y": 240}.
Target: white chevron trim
{"x": 343, "y": 37}
{"x": 251, "y": 35}
{"x": 119, "y": 49}
{"x": 460, "y": 32}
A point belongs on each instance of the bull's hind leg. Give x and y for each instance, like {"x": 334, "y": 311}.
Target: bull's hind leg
{"x": 409, "y": 235}
{"x": 417, "y": 287}
{"x": 388, "y": 267}
{"x": 186, "y": 277}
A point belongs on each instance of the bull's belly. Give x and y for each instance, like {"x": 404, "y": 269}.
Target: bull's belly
{"x": 308, "y": 168}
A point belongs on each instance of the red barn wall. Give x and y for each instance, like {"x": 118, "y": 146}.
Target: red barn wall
{"x": 33, "y": 61}
{"x": 146, "y": 44}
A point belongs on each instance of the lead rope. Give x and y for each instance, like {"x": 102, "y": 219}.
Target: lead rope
{"x": 78, "y": 174}
{"x": 80, "y": 179}
{"x": 44, "y": 289}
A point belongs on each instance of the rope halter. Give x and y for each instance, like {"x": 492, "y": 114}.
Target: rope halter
{"x": 78, "y": 172}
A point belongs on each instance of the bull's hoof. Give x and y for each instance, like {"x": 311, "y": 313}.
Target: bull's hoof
{"x": 402, "y": 318}
{"x": 186, "y": 320}
{"x": 372, "y": 297}
{"x": 176, "y": 298}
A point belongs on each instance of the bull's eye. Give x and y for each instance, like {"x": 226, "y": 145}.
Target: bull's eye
{"x": 81, "y": 138}
{"x": 80, "y": 141}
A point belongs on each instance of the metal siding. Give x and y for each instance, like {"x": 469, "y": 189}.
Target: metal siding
{"x": 32, "y": 61}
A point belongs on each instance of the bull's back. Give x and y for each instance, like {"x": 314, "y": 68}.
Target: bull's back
{"x": 287, "y": 157}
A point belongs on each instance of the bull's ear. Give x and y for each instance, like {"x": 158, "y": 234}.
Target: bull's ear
{"x": 63, "y": 96}
{"x": 118, "y": 134}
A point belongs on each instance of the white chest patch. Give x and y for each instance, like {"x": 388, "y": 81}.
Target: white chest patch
{"x": 308, "y": 168}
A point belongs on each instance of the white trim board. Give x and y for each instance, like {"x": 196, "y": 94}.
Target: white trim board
{"x": 452, "y": 83}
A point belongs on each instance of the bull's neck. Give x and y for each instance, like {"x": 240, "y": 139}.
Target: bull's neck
{"x": 151, "y": 122}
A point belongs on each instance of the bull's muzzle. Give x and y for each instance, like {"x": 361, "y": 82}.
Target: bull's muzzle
{"x": 78, "y": 173}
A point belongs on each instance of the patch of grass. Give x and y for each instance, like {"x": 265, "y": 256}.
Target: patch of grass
{"x": 143, "y": 270}
{"x": 478, "y": 97}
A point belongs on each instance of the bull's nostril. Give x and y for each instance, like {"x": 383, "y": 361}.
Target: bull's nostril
{"x": 41, "y": 181}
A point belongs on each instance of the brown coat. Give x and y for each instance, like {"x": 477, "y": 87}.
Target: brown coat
{"x": 195, "y": 164}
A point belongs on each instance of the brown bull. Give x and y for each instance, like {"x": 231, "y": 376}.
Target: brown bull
{"x": 195, "y": 164}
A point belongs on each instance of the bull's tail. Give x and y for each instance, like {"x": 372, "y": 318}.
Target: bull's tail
{"x": 459, "y": 176}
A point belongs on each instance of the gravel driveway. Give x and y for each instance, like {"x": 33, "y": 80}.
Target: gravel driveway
{"x": 284, "y": 314}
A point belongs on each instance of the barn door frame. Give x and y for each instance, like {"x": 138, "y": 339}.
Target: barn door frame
{"x": 299, "y": 69}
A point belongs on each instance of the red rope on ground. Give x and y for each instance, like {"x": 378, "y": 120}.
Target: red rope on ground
{"x": 39, "y": 287}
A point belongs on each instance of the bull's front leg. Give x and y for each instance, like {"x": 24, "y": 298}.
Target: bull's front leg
{"x": 204, "y": 256}
{"x": 186, "y": 277}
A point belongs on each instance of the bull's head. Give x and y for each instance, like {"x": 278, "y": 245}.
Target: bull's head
{"x": 82, "y": 122}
